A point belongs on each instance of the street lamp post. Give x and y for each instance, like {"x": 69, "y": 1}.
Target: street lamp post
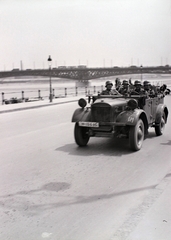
{"x": 50, "y": 81}
{"x": 141, "y": 72}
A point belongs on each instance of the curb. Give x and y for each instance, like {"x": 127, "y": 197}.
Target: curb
{"x": 37, "y": 106}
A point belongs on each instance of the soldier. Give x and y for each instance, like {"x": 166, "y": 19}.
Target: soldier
{"x": 146, "y": 86}
{"x": 137, "y": 88}
{"x": 109, "y": 90}
{"x": 125, "y": 88}
{"x": 148, "y": 91}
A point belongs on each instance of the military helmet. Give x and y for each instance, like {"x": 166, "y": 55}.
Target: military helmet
{"x": 125, "y": 82}
{"x": 137, "y": 83}
{"x": 146, "y": 83}
{"x": 108, "y": 83}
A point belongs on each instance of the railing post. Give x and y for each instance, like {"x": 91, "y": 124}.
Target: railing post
{"x": 39, "y": 94}
{"x": 2, "y": 98}
{"x": 85, "y": 90}
{"x": 94, "y": 89}
{"x": 22, "y": 95}
{"x": 65, "y": 92}
{"x": 53, "y": 92}
{"x": 76, "y": 91}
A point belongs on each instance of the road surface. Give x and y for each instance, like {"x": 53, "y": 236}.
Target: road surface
{"x": 52, "y": 189}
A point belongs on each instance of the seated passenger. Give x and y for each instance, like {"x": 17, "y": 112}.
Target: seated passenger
{"x": 109, "y": 90}
{"x": 137, "y": 88}
{"x": 125, "y": 88}
{"x": 163, "y": 89}
{"x": 148, "y": 91}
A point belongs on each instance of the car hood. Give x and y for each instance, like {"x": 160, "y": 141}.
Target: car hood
{"x": 112, "y": 102}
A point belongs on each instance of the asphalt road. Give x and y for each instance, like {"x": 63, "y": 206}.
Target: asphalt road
{"x": 52, "y": 189}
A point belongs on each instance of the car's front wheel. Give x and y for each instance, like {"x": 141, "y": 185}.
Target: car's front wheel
{"x": 136, "y": 136}
{"x": 81, "y": 135}
{"x": 159, "y": 128}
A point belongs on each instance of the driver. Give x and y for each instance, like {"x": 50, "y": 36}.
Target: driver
{"x": 109, "y": 90}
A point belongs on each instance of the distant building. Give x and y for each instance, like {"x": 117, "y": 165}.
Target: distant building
{"x": 82, "y": 66}
{"x": 61, "y": 67}
{"x": 15, "y": 70}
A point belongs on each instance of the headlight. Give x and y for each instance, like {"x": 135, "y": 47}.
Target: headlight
{"x": 82, "y": 102}
{"x": 132, "y": 104}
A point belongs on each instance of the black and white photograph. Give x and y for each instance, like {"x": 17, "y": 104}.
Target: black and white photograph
{"x": 85, "y": 105}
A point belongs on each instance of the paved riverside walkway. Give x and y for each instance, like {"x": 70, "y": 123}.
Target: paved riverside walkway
{"x": 36, "y": 104}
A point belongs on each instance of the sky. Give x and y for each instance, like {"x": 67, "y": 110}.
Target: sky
{"x": 96, "y": 33}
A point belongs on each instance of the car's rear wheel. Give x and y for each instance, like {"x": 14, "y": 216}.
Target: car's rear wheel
{"x": 136, "y": 136}
{"x": 159, "y": 128}
{"x": 81, "y": 135}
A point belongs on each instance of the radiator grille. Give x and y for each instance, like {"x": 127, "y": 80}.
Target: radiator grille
{"x": 101, "y": 114}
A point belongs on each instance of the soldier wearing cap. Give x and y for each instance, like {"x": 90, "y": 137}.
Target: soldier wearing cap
{"x": 137, "y": 88}
{"x": 125, "y": 88}
{"x": 146, "y": 85}
{"x": 149, "y": 92}
{"x": 109, "y": 90}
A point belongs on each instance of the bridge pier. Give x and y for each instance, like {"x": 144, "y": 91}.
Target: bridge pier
{"x": 82, "y": 83}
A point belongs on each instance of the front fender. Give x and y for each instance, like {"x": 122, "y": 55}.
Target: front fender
{"x": 130, "y": 117}
{"x": 81, "y": 114}
{"x": 159, "y": 112}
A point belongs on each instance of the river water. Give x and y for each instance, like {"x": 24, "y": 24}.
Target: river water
{"x": 12, "y": 87}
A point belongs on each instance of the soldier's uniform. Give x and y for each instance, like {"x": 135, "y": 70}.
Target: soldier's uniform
{"x": 109, "y": 90}
{"x": 149, "y": 92}
{"x": 138, "y": 90}
{"x": 124, "y": 90}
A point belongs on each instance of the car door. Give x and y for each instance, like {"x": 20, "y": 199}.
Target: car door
{"x": 155, "y": 103}
{"x": 148, "y": 109}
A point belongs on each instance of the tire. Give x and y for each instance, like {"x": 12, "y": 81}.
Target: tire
{"x": 136, "y": 136}
{"x": 81, "y": 135}
{"x": 160, "y": 127}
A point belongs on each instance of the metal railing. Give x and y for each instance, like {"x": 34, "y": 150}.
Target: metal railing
{"x": 40, "y": 94}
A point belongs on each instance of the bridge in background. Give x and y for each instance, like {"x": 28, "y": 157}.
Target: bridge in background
{"x": 86, "y": 74}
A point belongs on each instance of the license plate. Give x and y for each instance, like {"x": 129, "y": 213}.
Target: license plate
{"x": 89, "y": 124}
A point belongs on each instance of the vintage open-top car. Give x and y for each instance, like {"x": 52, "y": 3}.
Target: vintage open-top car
{"x": 119, "y": 116}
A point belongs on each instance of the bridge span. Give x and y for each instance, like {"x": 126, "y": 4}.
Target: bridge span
{"x": 85, "y": 73}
